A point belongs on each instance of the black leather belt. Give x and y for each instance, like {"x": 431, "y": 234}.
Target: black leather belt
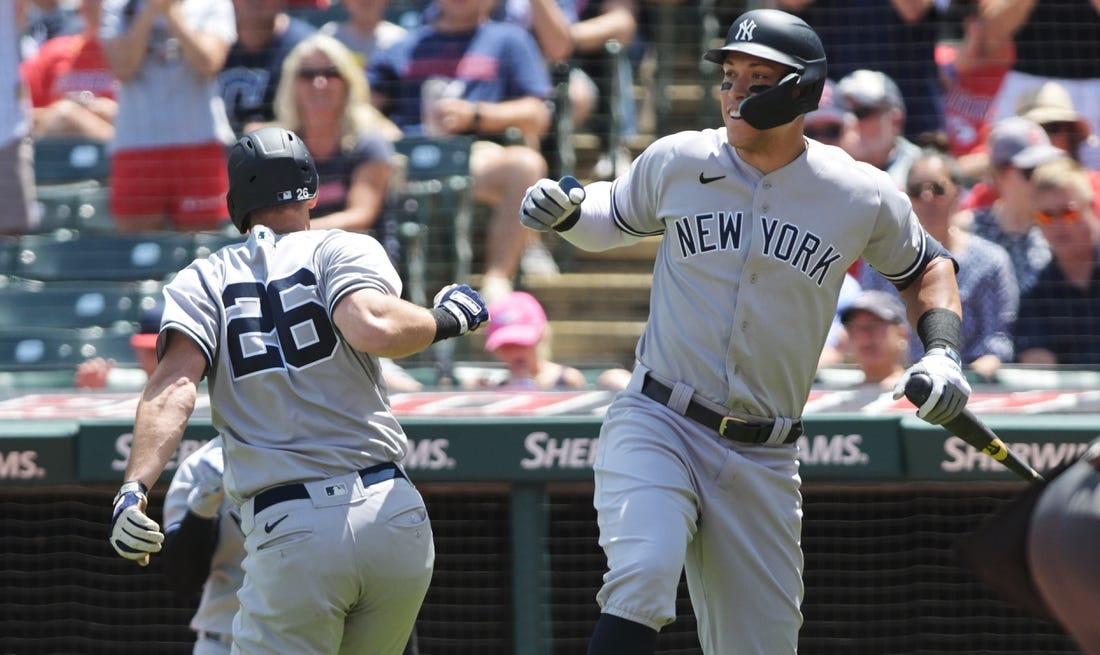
{"x": 730, "y": 427}
{"x": 275, "y": 495}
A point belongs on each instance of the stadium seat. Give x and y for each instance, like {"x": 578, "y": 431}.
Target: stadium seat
{"x": 9, "y": 253}
{"x": 80, "y": 205}
{"x": 34, "y": 348}
{"x": 69, "y": 159}
{"x": 108, "y": 343}
{"x": 71, "y": 255}
{"x": 435, "y": 208}
{"x": 207, "y": 242}
{"x": 75, "y": 304}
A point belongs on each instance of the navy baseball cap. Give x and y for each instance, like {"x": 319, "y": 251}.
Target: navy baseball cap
{"x": 1017, "y": 141}
{"x": 148, "y": 328}
{"x": 884, "y": 305}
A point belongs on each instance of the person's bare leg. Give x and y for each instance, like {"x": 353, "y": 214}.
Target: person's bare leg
{"x": 501, "y": 178}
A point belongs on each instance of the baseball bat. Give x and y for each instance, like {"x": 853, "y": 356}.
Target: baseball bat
{"x": 972, "y": 430}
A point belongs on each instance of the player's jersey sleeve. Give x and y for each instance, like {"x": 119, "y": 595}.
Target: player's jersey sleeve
{"x": 899, "y": 247}
{"x": 349, "y": 261}
{"x": 192, "y": 308}
{"x": 635, "y": 197}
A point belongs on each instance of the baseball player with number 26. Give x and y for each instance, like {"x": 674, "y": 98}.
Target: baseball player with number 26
{"x": 288, "y": 327}
{"x": 696, "y": 465}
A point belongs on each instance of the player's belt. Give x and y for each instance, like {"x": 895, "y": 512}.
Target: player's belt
{"x": 275, "y": 495}
{"x": 730, "y": 427}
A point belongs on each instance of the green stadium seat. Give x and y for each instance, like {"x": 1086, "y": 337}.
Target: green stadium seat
{"x": 207, "y": 242}
{"x": 69, "y": 159}
{"x": 34, "y": 348}
{"x": 108, "y": 343}
{"x": 9, "y": 253}
{"x": 81, "y": 205}
{"x": 75, "y": 256}
{"x": 75, "y": 304}
{"x": 435, "y": 208}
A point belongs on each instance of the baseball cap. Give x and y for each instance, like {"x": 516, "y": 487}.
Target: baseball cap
{"x": 884, "y": 305}
{"x": 1020, "y": 142}
{"x": 828, "y": 108}
{"x": 868, "y": 88}
{"x": 516, "y": 319}
{"x": 148, "y": 328}
{"x": 1049, "y": 103}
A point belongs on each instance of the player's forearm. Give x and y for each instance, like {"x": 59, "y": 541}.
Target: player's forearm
{"x": 936, "y": 288}
{"x": 162, "y": 415}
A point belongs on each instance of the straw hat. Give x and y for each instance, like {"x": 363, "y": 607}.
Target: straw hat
{"x": 1050, "y": 103}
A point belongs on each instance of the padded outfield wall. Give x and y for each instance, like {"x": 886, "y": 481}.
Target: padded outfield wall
{"x": 507, "y": 478}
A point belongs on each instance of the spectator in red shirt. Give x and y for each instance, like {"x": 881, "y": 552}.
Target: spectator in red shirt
{"x": 71, "y": 85}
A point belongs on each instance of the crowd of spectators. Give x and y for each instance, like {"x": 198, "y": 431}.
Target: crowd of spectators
{"x": 984, "y": 111}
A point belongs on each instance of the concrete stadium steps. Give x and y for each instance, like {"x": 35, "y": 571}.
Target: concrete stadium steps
{"x": 593, "y": 296}
{"x": 637, "y": 258}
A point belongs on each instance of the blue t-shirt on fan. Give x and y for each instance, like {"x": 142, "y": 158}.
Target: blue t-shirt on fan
{"x": 494, "y": 63}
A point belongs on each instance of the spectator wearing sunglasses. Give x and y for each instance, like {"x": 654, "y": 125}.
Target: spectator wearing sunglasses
{"x": 1060, "y": 316}
{"x": 1015, "y": 147}
{"x": 247, "y": 81}
{"x": 878, "y": 114}
{"x": 987, "y": 283}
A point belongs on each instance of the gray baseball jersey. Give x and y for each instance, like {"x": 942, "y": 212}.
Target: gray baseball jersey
{"x": 264, "y": 324}
{"x": 747, "y": 277}
{"x": 745, "y": 287}
{"x": 219, "y": 594}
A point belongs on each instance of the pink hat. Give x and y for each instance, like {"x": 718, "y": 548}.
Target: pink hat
{"x": 516, "y": 319}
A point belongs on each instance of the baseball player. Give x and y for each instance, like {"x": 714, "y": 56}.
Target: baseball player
{"x": 288, "y": 327}
{"x": 204, "y": 547}
{"x": 696, "y": 464}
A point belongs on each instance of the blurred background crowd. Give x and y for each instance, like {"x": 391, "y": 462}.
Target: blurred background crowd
{"x": 430, "y": 118}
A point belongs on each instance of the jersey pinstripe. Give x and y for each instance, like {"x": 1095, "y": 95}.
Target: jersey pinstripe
{"x": 261, "y": 313}
{"x": 746, "y": 278}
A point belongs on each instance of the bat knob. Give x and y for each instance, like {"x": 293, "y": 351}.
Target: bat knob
{"x": 572, "y": 188}
{"x": 918, "y": 388}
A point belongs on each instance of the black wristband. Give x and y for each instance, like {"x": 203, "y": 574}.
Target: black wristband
{"x": 940, "y": 328}
{"x": 446, "y": 324}
{"x": 569, "y": 221}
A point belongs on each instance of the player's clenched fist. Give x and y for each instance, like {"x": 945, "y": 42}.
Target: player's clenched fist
{"x": 133, "y": 534}
{"x": 464, "y": 305}
{"x": 950, "y": 390}
{"x": 552, "y": 205}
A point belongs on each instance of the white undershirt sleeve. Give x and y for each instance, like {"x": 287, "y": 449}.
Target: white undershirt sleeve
{"x": 596, "y": 230}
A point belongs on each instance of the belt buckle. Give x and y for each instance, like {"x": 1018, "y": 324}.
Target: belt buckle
{"x": 726, "y": 420}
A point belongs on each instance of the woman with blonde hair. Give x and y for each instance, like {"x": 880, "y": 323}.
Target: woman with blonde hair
{"x": 324, "y": 97}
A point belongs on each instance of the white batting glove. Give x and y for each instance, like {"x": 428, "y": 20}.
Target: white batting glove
{"x": 207, "y": 494}
{"x": 950, "y": 390}
{"x": 133, "y": 534}
{"x": 462, "y": 302}
{"x": 548, "y": 203}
